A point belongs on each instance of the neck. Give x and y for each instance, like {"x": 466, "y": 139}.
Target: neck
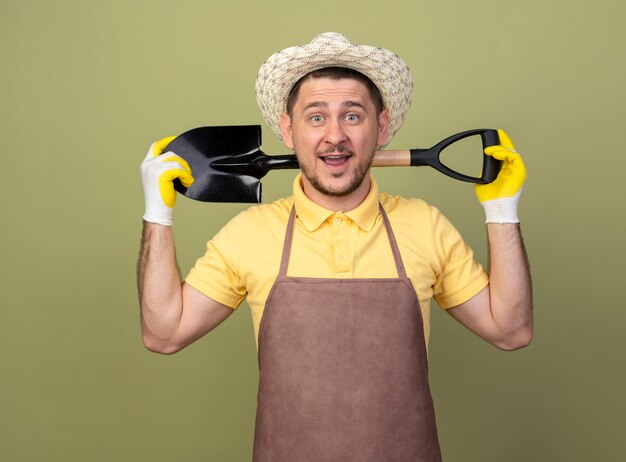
{"x": 337, "y": 203}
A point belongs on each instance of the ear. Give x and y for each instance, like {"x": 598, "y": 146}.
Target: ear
{"x": 383, "y": 127}
{"x": 285, "y": 130}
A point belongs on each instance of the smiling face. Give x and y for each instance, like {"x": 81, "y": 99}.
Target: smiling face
{"x": 334, "y": 129}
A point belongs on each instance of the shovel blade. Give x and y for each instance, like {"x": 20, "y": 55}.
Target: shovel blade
{"x": 203, "y": 145}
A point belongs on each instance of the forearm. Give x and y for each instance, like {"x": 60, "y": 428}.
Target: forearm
{"x": 510, "y": 287}
{"x": 159, "y": 285}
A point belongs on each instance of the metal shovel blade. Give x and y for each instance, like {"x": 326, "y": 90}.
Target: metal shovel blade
{"x": 203, "y": 145}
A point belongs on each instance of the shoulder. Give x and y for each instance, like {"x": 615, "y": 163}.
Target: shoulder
{"x": 416, "y": 217}
{"x": 264, "y": 218}
{"x": 253, "y": 230}
{"x": 408, "y": 208}
{"x": 277, "y": 210}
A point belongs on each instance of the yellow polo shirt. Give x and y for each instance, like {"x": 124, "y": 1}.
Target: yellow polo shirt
{"x": 243, "y": 259}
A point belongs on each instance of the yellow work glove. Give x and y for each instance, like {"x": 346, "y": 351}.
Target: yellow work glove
{"x": 158, "y": 172}
{"x": 501, "y": 197}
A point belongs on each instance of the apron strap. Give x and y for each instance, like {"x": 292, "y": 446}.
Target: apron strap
{"x": 284, "y": 263}
{"x": 394, "y": 245}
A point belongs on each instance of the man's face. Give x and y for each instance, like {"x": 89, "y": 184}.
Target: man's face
{"x": 334, "y": 130}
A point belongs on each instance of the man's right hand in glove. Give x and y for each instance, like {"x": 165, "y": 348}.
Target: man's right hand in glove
{"x": 158, "y": 172}
{"x": 166, "y": 326}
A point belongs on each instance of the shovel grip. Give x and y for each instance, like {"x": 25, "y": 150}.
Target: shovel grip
{"x": 491, "y": 165}
{"x": 490, "y": 169}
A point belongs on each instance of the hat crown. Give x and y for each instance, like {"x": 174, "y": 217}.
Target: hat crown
{"x": 331, "y": 37}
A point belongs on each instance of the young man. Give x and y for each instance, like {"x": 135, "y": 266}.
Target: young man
{"x": 339, "y": 277}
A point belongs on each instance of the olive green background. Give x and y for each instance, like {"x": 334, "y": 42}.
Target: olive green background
{"x": 85, "y": 87}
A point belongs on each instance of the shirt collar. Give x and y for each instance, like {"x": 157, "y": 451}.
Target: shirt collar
{"x": 313, "y": 215}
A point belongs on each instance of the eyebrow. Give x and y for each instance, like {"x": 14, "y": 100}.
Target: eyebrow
{"x": 345, "y": 104}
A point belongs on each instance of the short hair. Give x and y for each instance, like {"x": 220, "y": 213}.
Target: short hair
{"x": 337, "y": 73}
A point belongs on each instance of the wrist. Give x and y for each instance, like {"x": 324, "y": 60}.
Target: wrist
{"x": 159, "y": 214}
{"x": 502, "y": 210}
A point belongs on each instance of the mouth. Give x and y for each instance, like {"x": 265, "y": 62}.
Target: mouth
{"x": 335, "y": 160}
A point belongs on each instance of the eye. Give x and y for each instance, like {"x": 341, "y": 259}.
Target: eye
{"x": 352, "y": 117}
{"x": 316, "y": 118}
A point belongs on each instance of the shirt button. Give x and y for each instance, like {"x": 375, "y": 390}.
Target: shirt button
{"x": 338, "y": 221}
{"x": 342, "y": 257}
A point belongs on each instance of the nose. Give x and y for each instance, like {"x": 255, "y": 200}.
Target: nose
{"x": 335, "y": 133}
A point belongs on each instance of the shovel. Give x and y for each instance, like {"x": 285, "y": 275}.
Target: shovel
{"x": 228, "y": 164}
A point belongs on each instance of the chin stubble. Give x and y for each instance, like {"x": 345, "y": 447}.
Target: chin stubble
{"x": 359, "y": 175}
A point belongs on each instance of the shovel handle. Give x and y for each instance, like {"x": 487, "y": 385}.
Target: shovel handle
{"x": 392, "y": 158}
{"x": 430, "y": 157}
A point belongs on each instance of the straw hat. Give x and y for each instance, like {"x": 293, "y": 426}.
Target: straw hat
{"x": 282, "y": 70}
